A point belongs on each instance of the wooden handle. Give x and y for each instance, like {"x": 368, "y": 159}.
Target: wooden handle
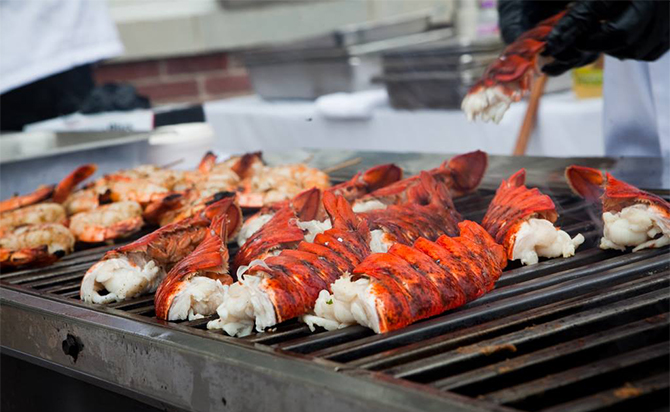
{"x": 342, "y": 165}
{"x": 531, "y": 115}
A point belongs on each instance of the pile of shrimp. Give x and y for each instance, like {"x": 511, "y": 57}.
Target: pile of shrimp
{"x": 40, "y": 227}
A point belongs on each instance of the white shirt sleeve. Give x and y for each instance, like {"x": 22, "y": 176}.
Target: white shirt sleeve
{"x": 39, "y": 38}
{"x": 636, "y": 98}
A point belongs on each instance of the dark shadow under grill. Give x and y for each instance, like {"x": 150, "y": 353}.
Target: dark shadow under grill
{"x": 581, "y": 334}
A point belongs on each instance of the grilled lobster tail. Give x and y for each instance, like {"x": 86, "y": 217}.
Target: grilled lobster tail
{"x": 194, "y": 286}
{"x": 140, "y": 266}
{"x": 286, "y": 286}
{"x": 389, "y": 291}
{"x": 368, "y": 181}
{"x": 509, "y": 77}
{"x": 282, "y": 231}
{"x": 521, "y": 220}
{"x": 429, "y": 212}
{"x": 631, "y": 217}
{"x": 294, "y": 286}
{"x": 461, "y": 174}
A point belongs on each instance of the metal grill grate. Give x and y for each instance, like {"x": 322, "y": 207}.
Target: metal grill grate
{"x": 581, "y": 334}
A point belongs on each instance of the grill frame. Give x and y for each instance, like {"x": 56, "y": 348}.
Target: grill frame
{"x": 294, "y": 372}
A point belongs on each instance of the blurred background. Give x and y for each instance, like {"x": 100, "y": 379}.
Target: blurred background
{"x": 279, "y": 74}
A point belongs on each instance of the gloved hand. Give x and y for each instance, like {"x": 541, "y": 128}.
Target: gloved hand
{"x": 636, "y": 29}
{"x": 519, "y": 16}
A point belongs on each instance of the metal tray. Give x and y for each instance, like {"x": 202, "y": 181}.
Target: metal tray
{"x": 354, "y": 34}
{"x": 28, "y": 160}
{"x": 310, "y": 73}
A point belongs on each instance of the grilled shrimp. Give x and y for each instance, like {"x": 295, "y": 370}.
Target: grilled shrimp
{"x": 16, "y": 202}
{"x": 143, "y": 184}
{"x": 32, "y": 215}
{"x": 58, "y": 192}
{"x": 138, "y": 190}
{"x": 107, "y": 222}
{"x": 275, "y": 184}
{"x": 35, "y": 245}
{"x": 153, "y": 174}
{"x": 87, "y": 199}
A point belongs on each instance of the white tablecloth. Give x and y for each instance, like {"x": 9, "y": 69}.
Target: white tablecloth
{"x": 566, "y": 127}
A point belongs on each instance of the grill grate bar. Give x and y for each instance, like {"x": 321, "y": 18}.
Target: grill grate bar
{"x": 475, "y": 313}
{"x": 131, "y": 303}
{"x": 29, "y": 280}
{"x": 523, "y": 363}
{"x": 58, "y": 289}
{"x": 197, "y": 323}
{"x": 282, "y": 332}
{"x": 548, "y": 267}
{"x": 567, "y": 325}
{"x": 84, "y": 256}
{"x": 142, "y": 310}
{"x": 612, "y": 397}
{"x": 56, "y": 281}
{"x": 442, "y": 343}
{"x": 73, "y": 294}
{"x": 325, "y": 339}
{"x": 537, "y": 387}
{"x": 576, "y": 273}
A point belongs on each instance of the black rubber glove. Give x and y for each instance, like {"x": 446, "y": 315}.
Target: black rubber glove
{"x": 636, "y": 29}
{"x": 519, "y": 16}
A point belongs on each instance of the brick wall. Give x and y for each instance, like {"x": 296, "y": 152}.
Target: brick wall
{"x": 192, "y": 79}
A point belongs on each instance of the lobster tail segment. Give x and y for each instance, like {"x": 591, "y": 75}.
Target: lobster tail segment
{"x": 381, "y": 176}
{"x": 518, "y": 179}
{"x": 522, "y": 221}
{"x": 195, "y": 286}
{"x": 586, "y": 182}
{"x": 341, "y": 214}
{"x": 228, "y": 208}
{"x": 468, "y": 170}
{"x": 307, "y": 204}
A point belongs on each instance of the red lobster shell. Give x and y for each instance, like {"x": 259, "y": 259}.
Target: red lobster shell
{"x": 512, "y": 205}
{"x": 282, "y": 230}
{"x": 512, "y": 73}
{"x": 429, "y": 212}
{"x": 170, "y": 244}
{"x": 295, "y": 278}
{"x": 414, "y": 283}
{"x": 461, "y": 174}
{"x": 210, "y": 259}
{"x": 615, "y": 194}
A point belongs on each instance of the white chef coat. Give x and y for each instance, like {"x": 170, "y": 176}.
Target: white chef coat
{"x": 39, "y": 38}
{"x": 637, "y": 107}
